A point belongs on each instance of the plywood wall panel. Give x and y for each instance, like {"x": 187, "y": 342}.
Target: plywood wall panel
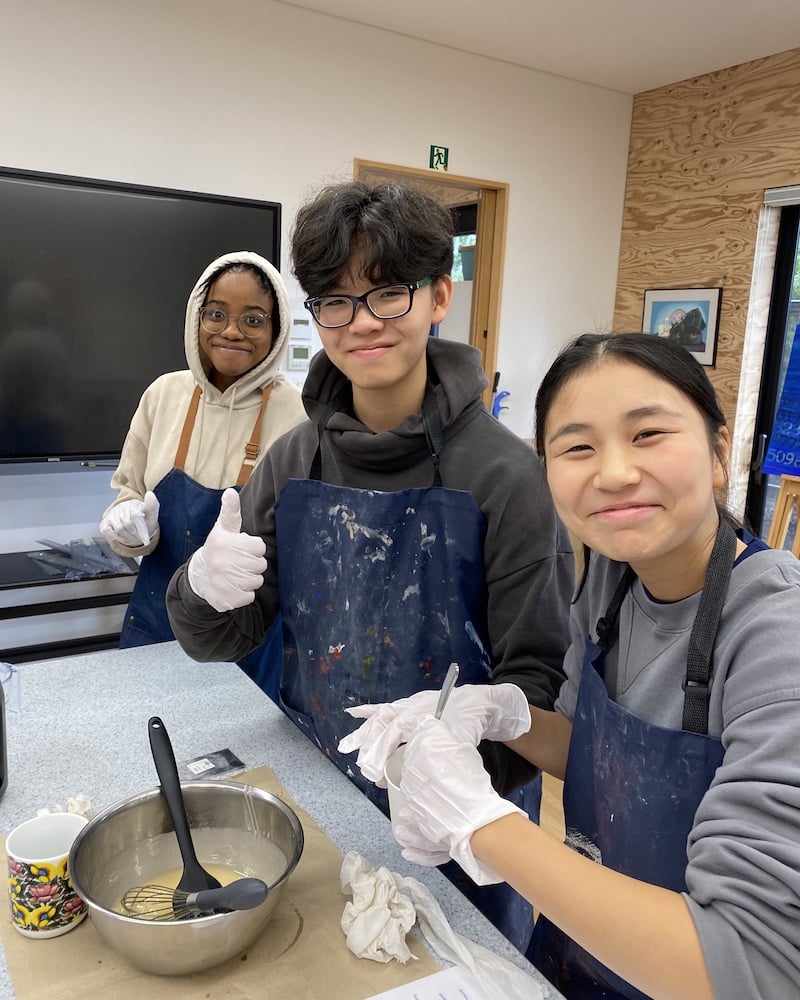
{"x": 702, "y": 153}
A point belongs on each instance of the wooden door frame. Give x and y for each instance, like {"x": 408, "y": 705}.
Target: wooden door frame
{"x": 490, "y": 245}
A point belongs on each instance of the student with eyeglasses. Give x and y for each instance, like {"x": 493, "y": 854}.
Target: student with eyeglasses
{"x": 200, "y": 430}
{"x": 403, "y": 527}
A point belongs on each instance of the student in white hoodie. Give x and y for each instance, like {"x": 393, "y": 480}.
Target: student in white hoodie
{"x": 198, "y": 431}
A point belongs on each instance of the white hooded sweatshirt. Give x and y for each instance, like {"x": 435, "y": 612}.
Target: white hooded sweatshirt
{"x": 225, "y": 419}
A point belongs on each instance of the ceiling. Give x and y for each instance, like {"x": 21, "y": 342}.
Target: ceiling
{"x": 624, "y": 45}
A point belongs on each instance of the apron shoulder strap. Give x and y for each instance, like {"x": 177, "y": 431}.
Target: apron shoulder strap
{"x": 608, "y": 621}
{"x": 186, "y": 433}
{"x": 336, "y": 403}
{"x": 434, "y": 435}
{"x": 252, "y": 447}
{"x": 704, "y": 631}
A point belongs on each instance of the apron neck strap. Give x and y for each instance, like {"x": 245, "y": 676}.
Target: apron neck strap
{"x": 704, "y": 631}
{"x": 336, "y": 403}
{"x": 431, "y": 421}
{"x": 251, "y": 449}
{"x": 434, "y": 434}
{"x": 186, "y": 433}
{"x": 608, "y": 622}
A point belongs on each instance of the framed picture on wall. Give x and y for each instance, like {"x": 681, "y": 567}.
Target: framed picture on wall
{"x": 686, "y": 316}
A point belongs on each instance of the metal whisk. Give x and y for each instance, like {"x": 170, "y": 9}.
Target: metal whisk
{"x": 160, "y": 902}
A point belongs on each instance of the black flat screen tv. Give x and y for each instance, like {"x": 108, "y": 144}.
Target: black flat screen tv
{"x": 94, "y": 278}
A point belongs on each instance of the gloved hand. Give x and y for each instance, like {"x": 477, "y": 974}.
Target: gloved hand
{"x": 132, "y": 523}
{"x": 449, "y": 796}
{"x": 228, "y": 570}
{"x": 474, "y": 712}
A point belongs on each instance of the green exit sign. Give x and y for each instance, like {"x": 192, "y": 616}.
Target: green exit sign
{"x": 439, "y": 157}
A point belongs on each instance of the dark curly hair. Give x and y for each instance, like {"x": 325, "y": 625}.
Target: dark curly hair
{"x": 400, "y": 233}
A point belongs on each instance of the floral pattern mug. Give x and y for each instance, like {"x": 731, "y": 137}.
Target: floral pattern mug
{"x": 43, "y": 902}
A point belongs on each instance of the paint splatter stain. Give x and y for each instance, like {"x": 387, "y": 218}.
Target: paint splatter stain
{"x": 336, "y": 651}
{"x": 427, "y": 541}
{"x": 343, "y": 516}
{"x": 581, "y": 843}
{"x": 469, "y": 628}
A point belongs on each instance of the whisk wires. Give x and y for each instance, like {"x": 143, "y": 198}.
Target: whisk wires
{"x": 161, "y": 902}
{"x": 158, "y": 902}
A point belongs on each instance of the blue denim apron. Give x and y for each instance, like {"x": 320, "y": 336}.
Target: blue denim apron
{"x": 379, "y": 593}
{"x": 187, "y": 512}
{"x": 632, "y": 789}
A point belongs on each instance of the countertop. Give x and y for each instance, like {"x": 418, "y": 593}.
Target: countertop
{"x": 81, "y": 728}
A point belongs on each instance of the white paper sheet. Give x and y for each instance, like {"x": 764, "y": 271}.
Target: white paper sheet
{"x": 451, "y": 984}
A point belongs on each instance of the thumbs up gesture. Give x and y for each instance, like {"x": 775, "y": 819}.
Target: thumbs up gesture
{"x": 228, "y": 570}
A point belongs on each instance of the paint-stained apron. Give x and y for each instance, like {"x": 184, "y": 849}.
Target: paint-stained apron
{"x": 379, "y": 593}
{"x": 631, "y": 789}
{"x": 187, "y": 512}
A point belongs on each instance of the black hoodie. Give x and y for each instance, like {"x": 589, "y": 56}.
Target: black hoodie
{"x": 527, "y": 554}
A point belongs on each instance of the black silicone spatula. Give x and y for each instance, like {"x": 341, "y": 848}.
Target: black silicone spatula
{"x": 195, "y": 878}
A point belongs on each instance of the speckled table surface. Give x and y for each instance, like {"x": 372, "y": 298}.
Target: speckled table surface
{"x": 81, "y": 728}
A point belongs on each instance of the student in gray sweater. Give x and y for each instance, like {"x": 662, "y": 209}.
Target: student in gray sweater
{"x": 677, "y": 728}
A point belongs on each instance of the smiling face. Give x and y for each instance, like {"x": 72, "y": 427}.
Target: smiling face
{"x": 385, "y": 359}
{"x": 633, "y": 472}
{"x": 231, "y": 353}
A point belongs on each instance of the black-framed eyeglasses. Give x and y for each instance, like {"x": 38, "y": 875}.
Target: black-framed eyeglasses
{"x": 251, "y": 324}
{"x": 385, "y": 302}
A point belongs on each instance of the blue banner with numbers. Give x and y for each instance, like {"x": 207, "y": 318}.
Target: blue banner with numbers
{"x": 783, "y": 452}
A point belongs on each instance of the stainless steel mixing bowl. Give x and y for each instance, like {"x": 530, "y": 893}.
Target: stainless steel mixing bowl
{"x": 131, "y": 843}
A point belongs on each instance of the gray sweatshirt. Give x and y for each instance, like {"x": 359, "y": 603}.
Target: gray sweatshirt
{"x": 743, "y": 873}
{"x": 527, "y": 553}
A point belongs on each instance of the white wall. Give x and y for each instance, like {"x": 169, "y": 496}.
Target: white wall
{"x": 131, "y": 92}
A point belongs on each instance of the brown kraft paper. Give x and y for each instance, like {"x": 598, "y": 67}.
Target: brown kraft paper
{"x": 301, "y": 953}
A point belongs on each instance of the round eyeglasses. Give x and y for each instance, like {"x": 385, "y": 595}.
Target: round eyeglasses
{"x": 251, "y": 324}
{"x": 385, "y": 302}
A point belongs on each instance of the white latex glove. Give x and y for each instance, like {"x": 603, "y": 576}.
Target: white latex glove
{"x": 228, "y": 570}
{"x": 449, "y": 796}
{"x": 132, "y": 523}
{"x": 474, "y": 712}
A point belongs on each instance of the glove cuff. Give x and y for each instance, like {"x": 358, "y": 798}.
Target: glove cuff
{"x": 192, "y": 575}
{"x": 512, "y": 717}
{"x": 461, "y": 851}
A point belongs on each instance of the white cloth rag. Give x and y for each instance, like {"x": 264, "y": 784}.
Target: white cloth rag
{"x": 79, "y": 804}
{"x": 385, "y": 906}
